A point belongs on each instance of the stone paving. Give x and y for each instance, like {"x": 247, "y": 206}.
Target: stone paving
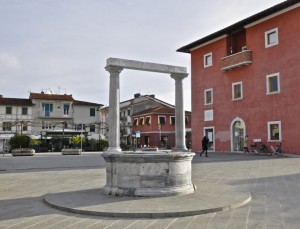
{"x": 274, "y": 184}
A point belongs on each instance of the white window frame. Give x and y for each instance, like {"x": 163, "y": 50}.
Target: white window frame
{"x": 268, "y": 86}
{"x": 267, "y": 34}
{"x": 205, "y": 96}
{"x": 233, "y": 85}
{"x": 205, "y": 58}
{"x": 159, "y": 119}
{"x": 269, "y": 131}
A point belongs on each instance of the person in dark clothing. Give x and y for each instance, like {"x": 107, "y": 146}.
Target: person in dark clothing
{"x": 205, "y": 141}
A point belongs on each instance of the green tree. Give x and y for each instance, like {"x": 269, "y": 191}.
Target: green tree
{"x": 19, "y": 141}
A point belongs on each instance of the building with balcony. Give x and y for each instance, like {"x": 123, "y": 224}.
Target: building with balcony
{"x": 47, "y": 114}
{"x": 245, "y": 81}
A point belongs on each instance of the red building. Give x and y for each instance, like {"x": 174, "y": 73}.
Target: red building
{"x": 246, "y": 81}
{"x": 156, "y": 127}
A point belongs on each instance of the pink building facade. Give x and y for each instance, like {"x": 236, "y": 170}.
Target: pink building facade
{"x": 246, "y": 81}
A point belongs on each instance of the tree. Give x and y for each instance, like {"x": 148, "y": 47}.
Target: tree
{"x": 19, "y": 141}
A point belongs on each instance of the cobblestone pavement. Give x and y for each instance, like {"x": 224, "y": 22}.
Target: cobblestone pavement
{"x": 274, "y": 184}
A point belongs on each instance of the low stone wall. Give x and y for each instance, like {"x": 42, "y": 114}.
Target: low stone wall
{"x": 71, "y": 151}
{"x": 150, "y": 149}
{"x": 148, "y": 173}
{"x": 23, "y": 152}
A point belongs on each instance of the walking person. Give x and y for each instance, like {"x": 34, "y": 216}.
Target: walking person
{"x": 205, "y": 141}
{"x": 246, "y": 142}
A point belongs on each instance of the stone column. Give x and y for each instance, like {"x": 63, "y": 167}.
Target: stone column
{"x": 179, "y": 112}
{"x": 114, "y": 108}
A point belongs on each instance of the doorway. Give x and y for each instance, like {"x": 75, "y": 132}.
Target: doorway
{"x": 237, "y": 134}
{"x": 209, "y": 132}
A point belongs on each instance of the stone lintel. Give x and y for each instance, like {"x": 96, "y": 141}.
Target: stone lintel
{"x": 145, "y": 66}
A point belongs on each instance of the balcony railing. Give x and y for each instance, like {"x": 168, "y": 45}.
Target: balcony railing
{"x": 54, "y": 114}
{"x": 236, "y": 60}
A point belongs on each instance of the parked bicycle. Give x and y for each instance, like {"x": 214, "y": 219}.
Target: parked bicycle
{"x": 259, "y": 148}
{"x": 278, "y": 151}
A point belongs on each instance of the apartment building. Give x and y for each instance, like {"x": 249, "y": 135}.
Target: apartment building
{"x": 245, "y": 81}
{"x": 46, "y": 115}
{"x": 139, "y": 108}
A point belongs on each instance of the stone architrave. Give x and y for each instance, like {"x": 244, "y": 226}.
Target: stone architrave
{"x": 114, "y": 66}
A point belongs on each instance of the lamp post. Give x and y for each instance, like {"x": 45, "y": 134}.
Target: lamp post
{"x": 63, "y": 138}
{"x": 81, "y": 135}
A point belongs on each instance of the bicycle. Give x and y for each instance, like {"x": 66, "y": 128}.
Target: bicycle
{"x": 278, "y": 151}
{"x": 259, "y": 148}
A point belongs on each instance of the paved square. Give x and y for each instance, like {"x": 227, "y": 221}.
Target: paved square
{"x": 274, "y": 184}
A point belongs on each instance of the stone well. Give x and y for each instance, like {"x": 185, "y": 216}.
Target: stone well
{"x": 148, "y": 173}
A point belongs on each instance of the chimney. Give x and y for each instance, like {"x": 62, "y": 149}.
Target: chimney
{"x": 137, "y": 95}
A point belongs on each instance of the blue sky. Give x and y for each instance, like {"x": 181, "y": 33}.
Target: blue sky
{"x": 62, "y": 45}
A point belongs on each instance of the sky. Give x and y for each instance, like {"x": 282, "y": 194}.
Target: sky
{"x": 62, "y": 45}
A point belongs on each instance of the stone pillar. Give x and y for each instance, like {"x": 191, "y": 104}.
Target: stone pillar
{"x": 114, "y": 108}
{"x": 179, "y": 112}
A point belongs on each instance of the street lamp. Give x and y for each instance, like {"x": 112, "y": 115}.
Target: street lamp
{"x": 81, "y": 136}
{"x": 63, "y": 138}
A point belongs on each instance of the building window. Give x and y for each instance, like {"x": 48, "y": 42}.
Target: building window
{"x": 6, "y": 126}
{"x": 172, "y": 120}
{"x": 135, "y": 122}
{"x": 161, "y": 120}
{"x": 207, "y": 60}
{"x": 24, "y": 111}
{"x": 92, "y": 128}
{"x": 186, "y": 120}
{"x": 24, "y": 127}
{"x": 142, "y": 122}
{"x": 47, "y": 108}
{"x": 92, "y": 112}
{"x": 274, "y": 131}
{"x": 208, "y": 96}
{"x": 78, "y": 127}
{"x": 237, "y": 91}
{"x": 47, "y": 125}
{"x": 148, "y": 120}
{"x": 273, "y": 83}
{"x": 8, "y": 110}
{"x": 128, "y": 112}
{"x": 66, "y": 108}
{"x": 271, "y": 38}
{"x": 208, "y": 115}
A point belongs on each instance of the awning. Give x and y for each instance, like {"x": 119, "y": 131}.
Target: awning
{"x": 65, "y": 133}
{"x": 6, "y": 136}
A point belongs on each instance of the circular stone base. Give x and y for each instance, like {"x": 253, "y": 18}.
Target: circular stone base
{"x": 208, "y": 199}
{"x": 148, "y": 174}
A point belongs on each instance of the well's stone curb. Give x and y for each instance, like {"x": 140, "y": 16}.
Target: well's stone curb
{"x": 209, "y": 199}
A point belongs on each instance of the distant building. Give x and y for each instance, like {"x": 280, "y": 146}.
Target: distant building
{"x": 245, "y": 81}
{"x": 146, "y": 109}
{"x": 156, "y": 127}
{"x": 48, "y": 114}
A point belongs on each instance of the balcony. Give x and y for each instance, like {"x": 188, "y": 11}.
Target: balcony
{"x": 59, "y": 114}
{"x": 236, "y": 60}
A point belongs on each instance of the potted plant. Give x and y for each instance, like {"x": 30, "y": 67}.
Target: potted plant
{"x": 76, "y": 149}
{"x": 20, "y": 145}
